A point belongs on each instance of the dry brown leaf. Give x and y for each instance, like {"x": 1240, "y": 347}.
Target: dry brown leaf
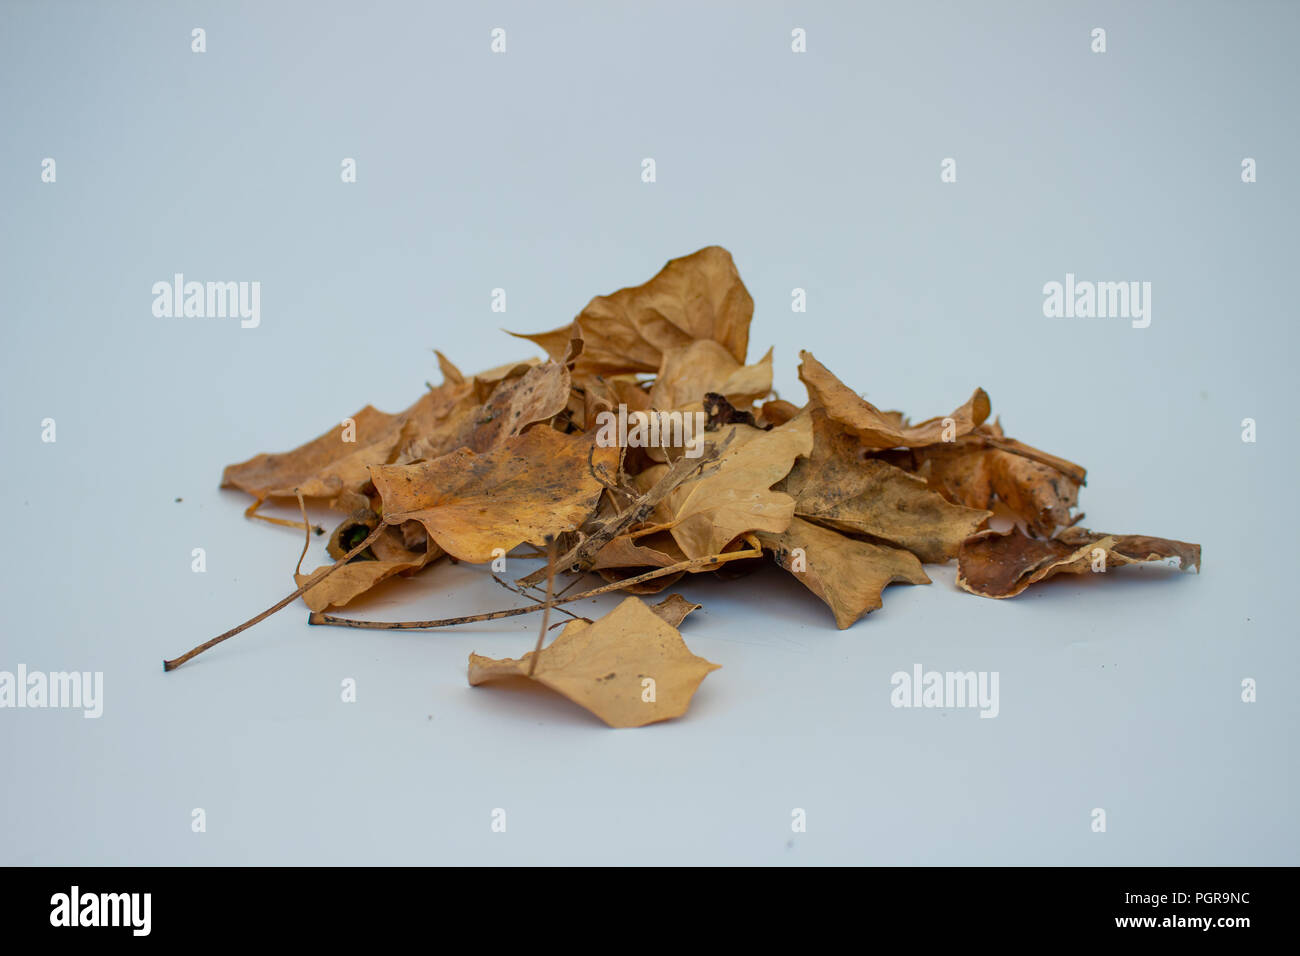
{"x": 328, "y": 466}
{"x": 777, "y": 412}
{"x": 605, "y": 667}
{"x": 699, "y": 296}
{"x": 673, "y": 609}
{"x": 451, "y": 375}
{"x": 839, "y": 487}
{"x": 355, "y": 578}
{"x": 537, "y": 395}
{"x": 1040, "y": 489}
{"x": 877, "y": 429}
{"x": 645, "y": 588}
{"x": 528, "y": 487}
{"x": 1040, "y": 496}
{"x": 1003, "y": 565}
{"x": 513, "y": 397}
{"x": 734, "y": 498}
{"x": 658, "y": 550}
{"x": 624, "y": 557}
{"x": 847, "y": 574}
{"x": 687, "y": 374}
{"x": 485, "y": 383}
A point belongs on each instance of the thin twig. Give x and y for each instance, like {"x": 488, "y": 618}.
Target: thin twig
{"x": 522, "y": 593}
{"x": 251, "y": 512}
{"x": 302, "y": 506}
{"x": 550, "y": 596}
{"x": 581, "y": 556}
{"x": 568, "y": 587}
{"x": 176, "y": 662}
{"x": 709, "y": 561}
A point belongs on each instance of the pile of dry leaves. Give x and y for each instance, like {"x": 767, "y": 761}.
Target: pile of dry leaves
{"x": 846, "y": 497}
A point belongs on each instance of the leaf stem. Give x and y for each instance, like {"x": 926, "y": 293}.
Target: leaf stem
{"x": 709, "y": 561}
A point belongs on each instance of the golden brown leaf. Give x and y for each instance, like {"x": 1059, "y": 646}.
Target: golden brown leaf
{"x": 629, "y": 668}
{"x": 328, "y": 466}
{"x": 1040, "y": 489}
{"x": 847, "y": 574}
{"x": 687, "y": 374}
{"x": 778, "y": 412}
{"x": 357, "y": 577}
{"x": 649, "y": 551}
{"x": 877, "y": 429}
{"x": 674, "y": 609}
{"x": 699, "y": 296}
{"x": 537, "y": 395}
{"x": 840, "y": 487}
{"x": 734, "y": 496}
{"x": 528, "y": 487}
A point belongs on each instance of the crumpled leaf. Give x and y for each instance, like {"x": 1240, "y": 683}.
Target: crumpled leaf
{"x": 538, "y": 395}
{"x": 513, "y": 397}
{"x": 649, "y": 551}
{"x": 674, "y": 609}
{"x": 699, "y": 296}
{"x": 349, "y": 582}
{"x": 528, "y": 487}
{"x": 847, "y": 574}
{"x": 687, "y": 374}
{"x": 328, "y": 466}
{"x": 877, "y": 429}
{"x": 624, "y": 557}
{"x": 1041, "y": 490}
{"x": 1003, "y": 565}
{"x": 485, "y": 383}
{"x": 603, "y": 666}
{"x": 840, "y": 487}
{"x": 735, "y": 495}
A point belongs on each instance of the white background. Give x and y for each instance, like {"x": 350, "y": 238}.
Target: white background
{"x": 522, "y": 171}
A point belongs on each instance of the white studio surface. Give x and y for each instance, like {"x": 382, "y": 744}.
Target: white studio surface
{"x": 475, "y": 171}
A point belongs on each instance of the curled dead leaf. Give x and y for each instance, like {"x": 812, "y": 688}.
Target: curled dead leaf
{"x": 1039, "y": 489}
{"x": 337, "y": 463}
{"x": 847, "y": 574}
{"x": 674, "y": 609}
{"x": 839, "y": 486}
{"x": 688, "y": 374}
{"x": 877, "y": 429}
{"x": 696, "y": 297}
{"x": 1003, "y": 565}
{"x": 357, "y": 577}
{"x": 735, "y": 497}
